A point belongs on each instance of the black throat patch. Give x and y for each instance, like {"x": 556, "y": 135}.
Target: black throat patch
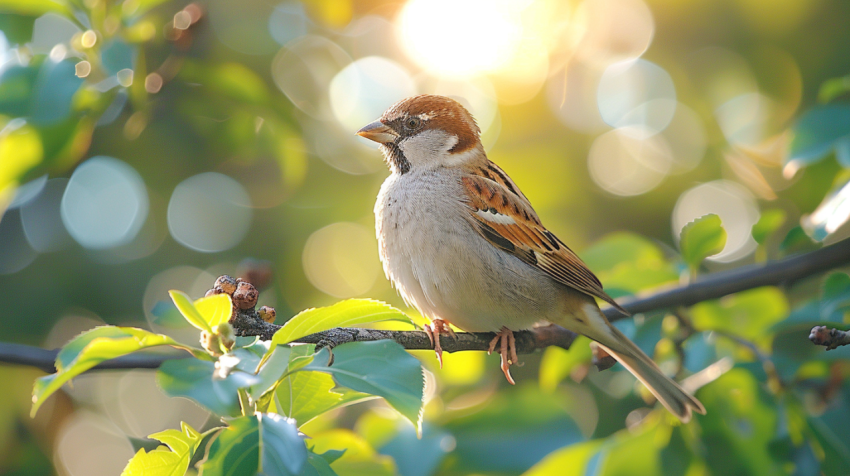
{"x": 395, "y": 158}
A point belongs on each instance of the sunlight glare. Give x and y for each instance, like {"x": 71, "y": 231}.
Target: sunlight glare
{"x": 454, "y": 38}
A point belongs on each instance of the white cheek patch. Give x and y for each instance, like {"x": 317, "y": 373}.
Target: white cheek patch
{"x": 494, "y": 217}
{"x": 428, "y": 148}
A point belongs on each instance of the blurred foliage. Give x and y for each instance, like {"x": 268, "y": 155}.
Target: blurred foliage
{"x": 244, "y": 106}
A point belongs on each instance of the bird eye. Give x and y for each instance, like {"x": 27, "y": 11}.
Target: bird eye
{"x": 412, "y": 123}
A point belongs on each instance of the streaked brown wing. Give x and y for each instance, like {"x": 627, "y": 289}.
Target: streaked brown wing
{"x": 504, "y": 217}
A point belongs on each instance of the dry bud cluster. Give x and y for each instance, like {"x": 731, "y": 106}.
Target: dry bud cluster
{"x": 244, "y": 297}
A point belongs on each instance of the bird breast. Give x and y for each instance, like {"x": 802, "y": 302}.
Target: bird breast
{"x": 441, "y": 265}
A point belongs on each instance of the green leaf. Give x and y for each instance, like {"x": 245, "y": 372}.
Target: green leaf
{"x": 747, "y": 314}
{"x": 137, "y": 8}
{"x": 306, "y": 395}
{"x": 381, "y": 368}
{"x": 629, "y": 262}
{"x": 832, "y": 88}
{"x": 35, "y": 7}
{"x": 570, "y": 461}
{"x": 742, "y": 424}
{"x": 262, "y": 443}
{"x": 358, "y": 457}
{"x": 797, "y": 241}
{"x": 17, "y": 28}
{"x": 271, "y": 372}
{"x": 702, "y": 238}
{"x": 95, "y": 346}
{"x": 634, "y": 452}
{"x": 215, "y": 309}
{"x": 558, "y": 363}
{"x": 232, "y": 80}
{"x": 317, "y": 465}
{"x": 171, "y": 461}
{"x": 20, "y": 151}
{"x": 352, "y": 312}
{"x": 190, "y": 312}
{"x": 53, "y": 92}
{"x": 835, "y": 296}
{"x": 769, "y": 222}
{"x": 816, "y": 133}
{"x": 516, "y": 428}
{"x": 199, "y": 381}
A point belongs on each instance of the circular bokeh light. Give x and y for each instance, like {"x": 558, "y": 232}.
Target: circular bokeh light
{"x": 105, "y": 203}
{"x": 209, "y": 212}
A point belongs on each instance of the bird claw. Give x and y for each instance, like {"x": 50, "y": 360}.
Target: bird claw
{"x": 434, "y": 330}
{"x": 507, "y": 350}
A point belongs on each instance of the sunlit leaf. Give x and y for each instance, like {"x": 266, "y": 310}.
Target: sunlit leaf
{"x": 20, "y": 151}
{"x": 95, "y": 346}
{"x": 833, "y": 88}
{"x": 199, "y": 381}
{"x": 830, "y": 215}
{"x": 190, "y": 312}
{"x": 557, "y": 363}
{"x": 569, "y": 461}
{"x": 306, "y": 395}
{"x": 352, "y": 312}
{"x": 359, "y": 458}
{"x": 635, "y": 452}
{"x": 215, "y": 309}
{"x": 232, "y": 80}
{"x": 170, "y": 461}
{"x": 137, "y": 8}
{"x": 747, "y": 314}
{"x": 769, "y": 222}
{"x": 264, "y": 443}
{"x": 35, "y": 7}
{"x": 381, "y": 368}
{"x": 702, "y": 238}
{"x": 816, "y": 133}
{"x": 629, "y": 262}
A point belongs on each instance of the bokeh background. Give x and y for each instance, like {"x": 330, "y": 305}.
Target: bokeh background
{"x": 147, "y": 145}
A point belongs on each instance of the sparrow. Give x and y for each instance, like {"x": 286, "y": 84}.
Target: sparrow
{"x": 463, "y": 245}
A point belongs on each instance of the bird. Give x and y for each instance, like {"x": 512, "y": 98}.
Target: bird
{"x": 462, "y": 244}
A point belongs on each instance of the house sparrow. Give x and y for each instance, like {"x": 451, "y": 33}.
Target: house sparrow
{"x": 463, "y": 245}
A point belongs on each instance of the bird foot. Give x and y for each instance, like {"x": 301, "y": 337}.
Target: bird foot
{"x": 507, "y": 350}
{"x": 434, "y": 330}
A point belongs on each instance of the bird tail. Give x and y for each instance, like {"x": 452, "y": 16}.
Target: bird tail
{"x": 668, "y": 392}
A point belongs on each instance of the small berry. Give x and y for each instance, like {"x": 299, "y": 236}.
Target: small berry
{"x": 213, "y": 291}
{"x": 267, "y": 314}
{"x": 226, "y": 283}
{"x": 245, "y": 296}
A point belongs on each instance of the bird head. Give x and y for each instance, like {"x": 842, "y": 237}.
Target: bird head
{"x": 424, "y": 132}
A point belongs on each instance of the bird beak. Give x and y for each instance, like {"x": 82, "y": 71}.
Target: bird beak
{"x": 378, "y": 132}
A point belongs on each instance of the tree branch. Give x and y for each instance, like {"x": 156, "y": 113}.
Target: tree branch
{"x": 713, "y": 286}
{"x": 43, "y": 359}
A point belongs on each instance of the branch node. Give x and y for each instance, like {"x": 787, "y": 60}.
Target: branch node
{"x": 830, "y": 338}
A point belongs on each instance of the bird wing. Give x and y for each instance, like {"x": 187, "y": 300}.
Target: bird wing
{"x": 504, "y": 217}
